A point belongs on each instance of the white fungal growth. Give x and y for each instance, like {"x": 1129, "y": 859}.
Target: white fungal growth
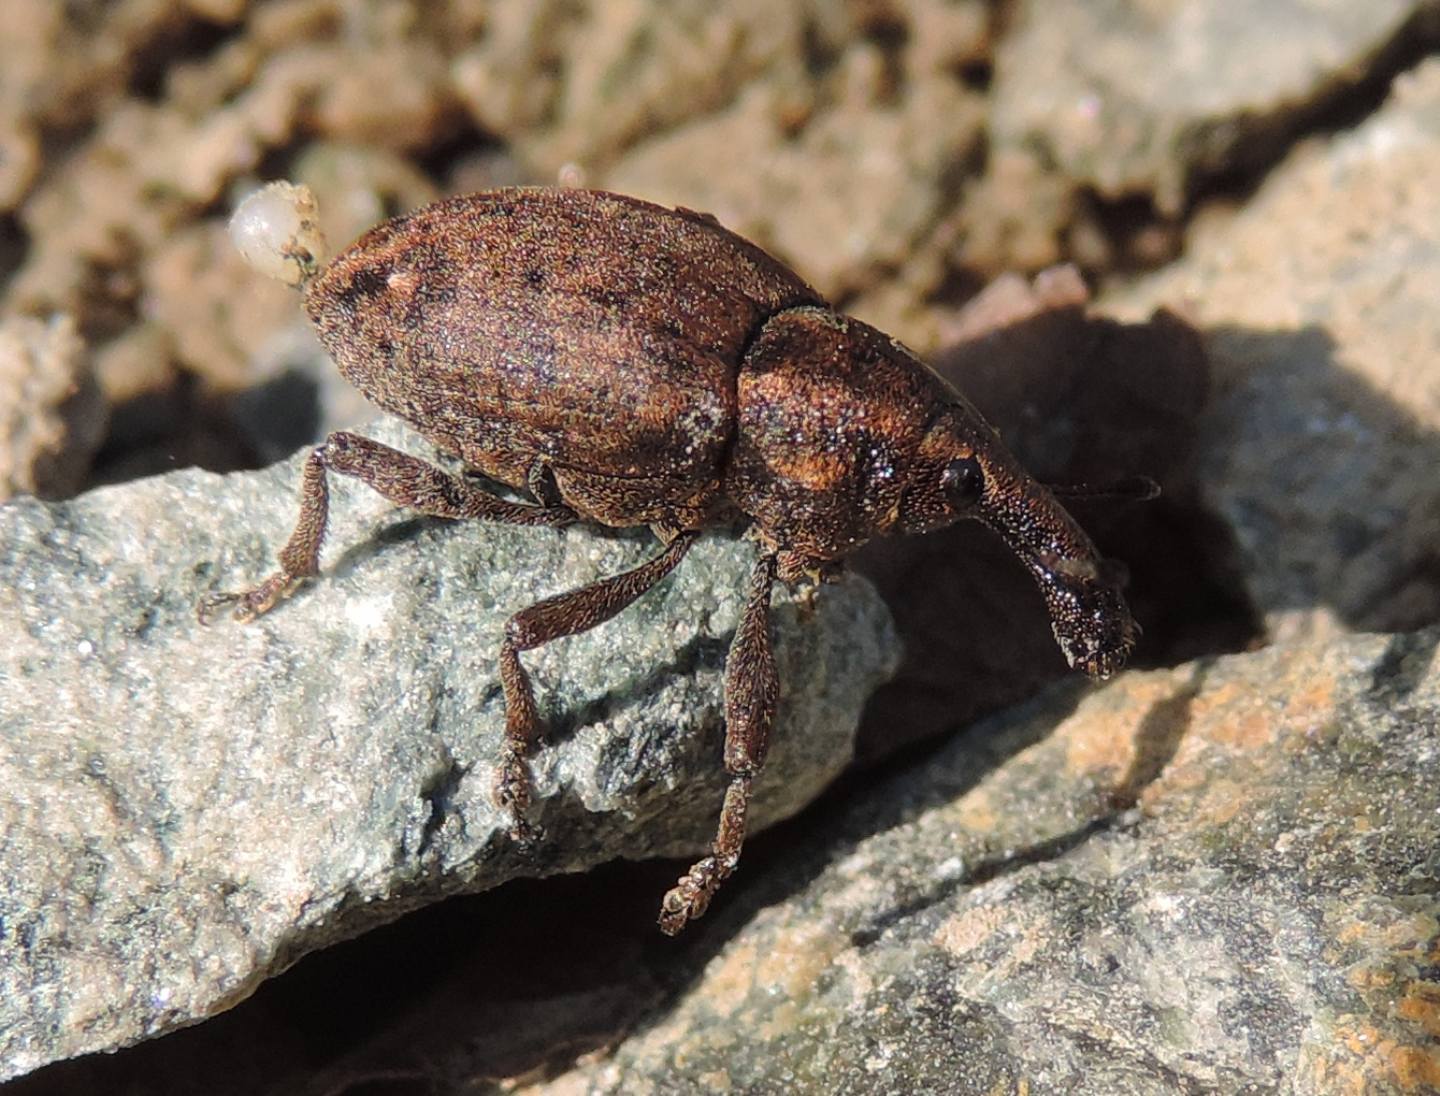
{"x": 276, "y": 230}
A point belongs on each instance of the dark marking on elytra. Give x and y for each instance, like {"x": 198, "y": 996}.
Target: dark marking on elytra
{"x": 362, "y": 286}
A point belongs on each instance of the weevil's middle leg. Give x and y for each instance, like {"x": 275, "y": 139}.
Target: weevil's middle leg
{"x": 401, "y": 478}
{"x": 562, "y": 615}
{"x": 752, "y": 690}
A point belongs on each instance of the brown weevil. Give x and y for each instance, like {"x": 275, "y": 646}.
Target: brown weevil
{"x": 631, "y": 365}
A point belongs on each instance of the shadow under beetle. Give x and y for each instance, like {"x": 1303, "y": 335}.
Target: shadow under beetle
{"x": 634, "y": 365}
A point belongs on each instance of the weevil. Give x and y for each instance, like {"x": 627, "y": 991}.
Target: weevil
{"x": 632, "y": 365}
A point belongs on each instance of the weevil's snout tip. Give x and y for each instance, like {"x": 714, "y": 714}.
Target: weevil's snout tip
{"x": 1092, "y": 623}
{"x": 1098, "y": 660}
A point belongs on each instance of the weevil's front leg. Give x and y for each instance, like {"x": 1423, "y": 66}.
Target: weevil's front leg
{"x": 562, "y": 615}
{"x": 401, "y": 478}
{"x": 752, "y": 688}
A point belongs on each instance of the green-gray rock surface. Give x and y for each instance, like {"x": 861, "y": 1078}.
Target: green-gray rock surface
{"x": 190, "y": 809}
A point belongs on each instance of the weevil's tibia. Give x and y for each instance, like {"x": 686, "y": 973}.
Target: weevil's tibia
{"x": 401, "y": 478}
{"x": 562, "y": 615}
{"x": 752, "y": 690}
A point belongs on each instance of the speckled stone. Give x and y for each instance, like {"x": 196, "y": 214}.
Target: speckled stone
{"x": 1130, "y": 98}
{"x": 1219, "y": 878}
{"x": 189, "y": 809}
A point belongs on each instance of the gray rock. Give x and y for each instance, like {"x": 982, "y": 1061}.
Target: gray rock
{"x": 188, "y": 810}
{"x": 53, "y": 417}
{"x": 1221, "y": 878}
{"x": 1102, "y": 111}
{"x": 1318, "y": 300}
{"x": 1134, "y": 98}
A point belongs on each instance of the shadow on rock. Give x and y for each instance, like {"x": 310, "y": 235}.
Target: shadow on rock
{"x": 1327, "y": 484}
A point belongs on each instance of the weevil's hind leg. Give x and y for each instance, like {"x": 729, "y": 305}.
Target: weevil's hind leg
{"x": 401, "y": 478}
{"x": 752, "y": 688}
{"x": 562, "y": 615}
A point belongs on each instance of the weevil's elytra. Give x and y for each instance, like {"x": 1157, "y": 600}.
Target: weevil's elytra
{"x": 633, "y": 365}
{"x": 594, "y": 334}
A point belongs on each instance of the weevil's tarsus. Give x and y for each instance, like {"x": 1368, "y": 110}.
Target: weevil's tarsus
{"x": 689, "y": 899}
{"x": 540, "y": 482}
{"x": 249, "y": 604}
{"x": 752, "y": 692}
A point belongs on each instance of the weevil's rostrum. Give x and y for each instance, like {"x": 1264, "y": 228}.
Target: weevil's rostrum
{"x": 634, "y": 365}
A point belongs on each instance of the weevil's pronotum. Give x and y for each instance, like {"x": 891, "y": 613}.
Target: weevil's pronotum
{"x": 632, "y": 365}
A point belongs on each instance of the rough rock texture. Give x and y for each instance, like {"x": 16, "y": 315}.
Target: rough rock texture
{"x": 1127, "y": 97}
{"x": 160, "y": 109}
{"x": 52, "y": 415}
{"x": 1318, "y": 299}
{"x": 1265, "y": 918}
{"x": 64, "y": 66}
{"x": 854, "y": 191}
{"x": 1125, "y": 100}
{"x": 190, "y": 809}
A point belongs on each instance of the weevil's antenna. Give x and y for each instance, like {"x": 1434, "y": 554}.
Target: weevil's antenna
{"x": 277, "y": 232}
{"x": 1128, "y": 489}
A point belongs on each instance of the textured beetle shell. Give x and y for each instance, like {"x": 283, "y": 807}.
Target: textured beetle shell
{"x": 597, "y": 335}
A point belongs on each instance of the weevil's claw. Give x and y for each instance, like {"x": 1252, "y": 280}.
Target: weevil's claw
{"x": 689, "y": 899}
{"x": 512, "y": 783}
{"x": 524, "y": 833}
{"x": 1102, "y": 650}
{"x": 207, "y": 607}
{"x": 251, "y": 603}
{"x": 513, "y": 792}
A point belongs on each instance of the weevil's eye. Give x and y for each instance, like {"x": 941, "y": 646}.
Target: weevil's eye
{"x": 963, "y": 482}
